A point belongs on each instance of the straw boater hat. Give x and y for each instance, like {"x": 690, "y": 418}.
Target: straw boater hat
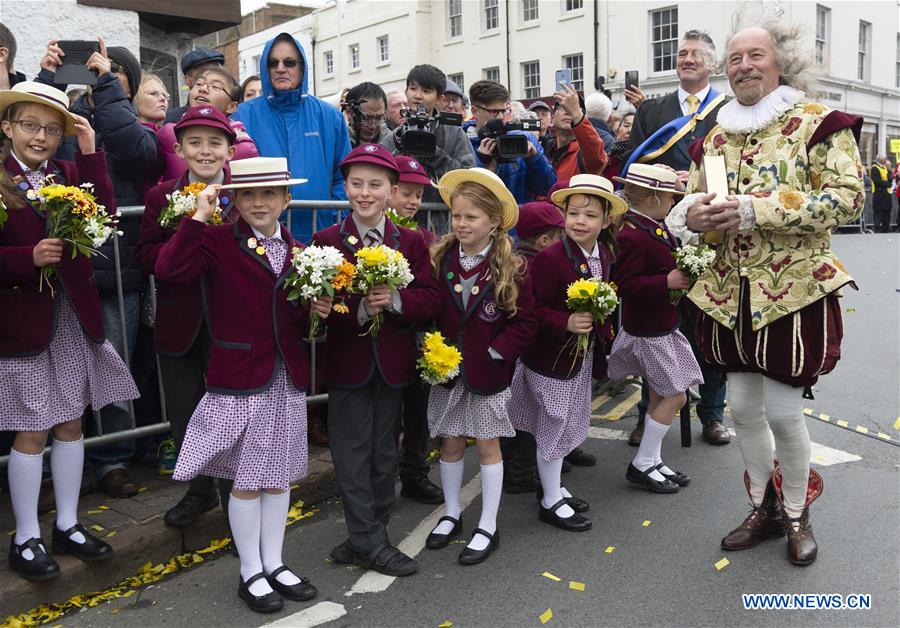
{"x": 453, "y": 179}
{"x": 591, "y": 185}
{"x": 260, "y": 172}
{"x": 651, "y": 177}
{"x": 29, "y": 91}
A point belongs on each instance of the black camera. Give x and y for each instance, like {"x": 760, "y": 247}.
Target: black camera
{"x": 416, "y": 137}
{"x": 511, "y": 143}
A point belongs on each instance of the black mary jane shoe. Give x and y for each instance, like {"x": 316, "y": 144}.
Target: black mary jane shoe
{"x": 40, "y": 567}
{"x": 471, "y": 556}
{"x": 643, "y": 478}
{"x": 438, "y": 541}
{"x": 300, "y": 592}
{"x": 268, "y": 603}
{"x": 676, "y": 476}
{"x": 575, "y": 523}
{"x": 575, "y": 503}
{"x": 92, "y": 550}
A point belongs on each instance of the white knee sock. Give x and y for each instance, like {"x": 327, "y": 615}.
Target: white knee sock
{"x": 24, "y": 488}
{"x": 66, "y": 466}
{"x": 746, "y": 397}
{"x": 491, "y": 490}
{"x": 784, "y": 412}
{"x": 651, "y": 445}
{"x": 273, "y": 515}
{"x": 451, "y": 483}
{"x": 550, "y": 472}
{"x": 244, "y": 516}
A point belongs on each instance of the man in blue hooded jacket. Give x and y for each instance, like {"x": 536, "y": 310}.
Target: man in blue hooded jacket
{"x": 288, "y": 122}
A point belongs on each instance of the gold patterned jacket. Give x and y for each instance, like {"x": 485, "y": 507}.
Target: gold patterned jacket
{"x": 805, "y": 178}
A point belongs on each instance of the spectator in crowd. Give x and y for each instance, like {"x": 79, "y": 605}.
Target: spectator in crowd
{"x": 131, "y": 150}
{"x": 453, "y": 99}
{"x": 544, "y": 114}
{"x": 598, "y": 107}
{"x": 193, "y": 64}
{"x": 623, "y": 128}
{"x": 152, "y": 100}
{"x": 251, "y": 88}
{"x": 74, "y": 94}
{"x": 576, "y": 148}
{"x": 289, "y": 122}
{"x": 880, "y": 175}
{"x": 526, "y": 177}
{"x": 8, "y": 74}
{"x": 619, "y": 150}
{"x": 364, "y": 106}
{"x": 396, "y": 103}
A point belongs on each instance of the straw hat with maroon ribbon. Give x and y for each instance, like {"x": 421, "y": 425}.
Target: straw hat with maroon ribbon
{"x": 651, "y": 177}
{"x": 259, "y": 172}
{"x": 38, "y": 93}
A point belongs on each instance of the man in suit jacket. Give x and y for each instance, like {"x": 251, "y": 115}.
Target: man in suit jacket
{"x": 661, "y": 133}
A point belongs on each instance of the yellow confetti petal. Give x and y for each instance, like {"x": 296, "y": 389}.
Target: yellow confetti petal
{"x": 112, "y": 533}
{"x": 722, "y": 564}
{"x": 897, "y": 423}
{"x": 610, "y": 549}
{"x": 97, "y": 528}
{"x": 550, "y": 576}
{"x": 446, "y": 624}
{"x": 850, "y": 310}
{"x": 546, "y": 616}
{"x": 94, "y": 512}
{"x": 142, "y": 489}
{"x": 576, "y": 586}
{"x": 103, "y": 507}
{"x": 646, "y": 523}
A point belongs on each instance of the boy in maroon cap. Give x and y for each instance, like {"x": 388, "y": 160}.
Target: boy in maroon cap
{"x": 366, "y": 374}
{"x": 205, "y": 140}
{"x": 407, "y": 198}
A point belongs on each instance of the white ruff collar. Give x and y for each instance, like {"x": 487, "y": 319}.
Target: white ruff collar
{"x": 734, "y": 117}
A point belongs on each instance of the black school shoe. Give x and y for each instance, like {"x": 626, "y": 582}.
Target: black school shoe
{"x": 92, "y": 550}
{"x": 387, "y": 560}
{"x": 471, "y": 556}
{"x": 643, "y": 478}
{"x": 676, "y": 476}
{"x": 575, "y": 523}
{"x": 581, "y": 458}
{"x": 300, "y": 592}
{"x": 343, "y": 553}
{"x": 40, "y": 567}
{"x": 575, "y": 503}
{"x": 438, "y": 541}
{"x": 186, "y": 512}
{"x": 268, "y": 603}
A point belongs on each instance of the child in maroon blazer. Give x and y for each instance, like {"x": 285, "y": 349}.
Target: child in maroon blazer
{"x": 552, "y": 385}
{"x": 407, "y": 198}
{"x": 205, "y": 140}
{"x": 54, "y": 359}
{"x": 250, "y": 426}
{"x": 366, "y": 374}
{"x": 487, "y": 312}
{"x": 649, "y": 343}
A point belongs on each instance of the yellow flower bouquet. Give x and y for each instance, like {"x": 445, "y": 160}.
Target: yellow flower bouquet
{"x": 376, "y": 266}
{"x": 439, "y": 362}
{"x": 596, "y": 297}
{"x": 183, "y": 203}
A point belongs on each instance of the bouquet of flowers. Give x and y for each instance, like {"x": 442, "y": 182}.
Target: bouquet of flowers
{"x": 593, "y": 296}
{"x": 318, "y": 271}
{"x": 74, "y": 217}
{"x": 3, "y": 214}
{"x": 692, "y": 260}
{"x": 183, "y": 203}
{"x": 380, "y": 265}
{"x": 402, "y": 221}
{"x": 439, "y": 362}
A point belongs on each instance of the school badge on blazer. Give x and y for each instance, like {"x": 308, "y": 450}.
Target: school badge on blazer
{"x": 489, "y": 311}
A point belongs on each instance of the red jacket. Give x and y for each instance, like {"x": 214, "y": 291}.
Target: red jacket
{"x": 553, "y": 351}
{"x": 644, "y": 260}
{"x": 483, "y": 325}
{"x": 352, "y": 355}
{"x": 252, "y": 323}
{"x": 592, "y": 152}
{"x": 27, "y": 314}
{"x": 179, "y": 307}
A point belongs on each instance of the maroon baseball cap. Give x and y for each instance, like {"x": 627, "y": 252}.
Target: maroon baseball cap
{"x": 374, "y": 154}
{"x": 411, "y": 171}
{"x": 205, "y": 115}
{"x": 537, "y": 217}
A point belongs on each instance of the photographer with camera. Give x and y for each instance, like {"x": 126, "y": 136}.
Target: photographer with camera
{"x": 364, "y": 108}
{"x": 576, "y": 148}
{"x": 510, "y": 149}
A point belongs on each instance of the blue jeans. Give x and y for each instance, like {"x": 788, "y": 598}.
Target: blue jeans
{"x": 711, "y": 406}
{"x": 115, "y": 417}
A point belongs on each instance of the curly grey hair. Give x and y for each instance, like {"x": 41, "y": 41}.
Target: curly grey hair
{"x": 710, "y": 61}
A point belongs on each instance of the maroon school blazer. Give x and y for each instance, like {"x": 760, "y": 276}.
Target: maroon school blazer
{"x": 179, "y": 307}
{"x": 252, "y": 323}
{"x": 27, "y": 315}
{"x": 645, "y": 258}
{"x": 482, "y": 325}
{"x": 352, "y": 355}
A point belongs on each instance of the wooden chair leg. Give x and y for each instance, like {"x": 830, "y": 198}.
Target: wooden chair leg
{"x": 685, "y": 415}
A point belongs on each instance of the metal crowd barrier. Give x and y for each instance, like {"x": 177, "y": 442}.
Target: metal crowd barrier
{"x": 433, "y": 212}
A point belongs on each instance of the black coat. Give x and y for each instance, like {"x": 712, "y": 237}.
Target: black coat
{"x": 881, "y": 198}
{"x": 604, "y": 132}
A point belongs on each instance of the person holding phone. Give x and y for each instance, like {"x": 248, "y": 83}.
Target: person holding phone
{"x": 576, "y": 148}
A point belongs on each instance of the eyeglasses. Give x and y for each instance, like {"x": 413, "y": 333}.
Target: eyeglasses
{"x": 30, "y": 127}
{"x": 219, "y": 87}
{"x": 115, "y": 68}
{"x": 493, "y": 112}
{"x": 289, "y": 63}
{"x": 372, "y": 120}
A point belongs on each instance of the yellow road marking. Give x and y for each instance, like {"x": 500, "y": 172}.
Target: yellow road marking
{"x": 615, "y": 413}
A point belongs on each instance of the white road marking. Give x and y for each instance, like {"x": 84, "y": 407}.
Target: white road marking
{"x": 374, "y": 582}
{"x": 606, "y": 434}
{"x": 321, "y": 613}
{"x": 821, "y": 455}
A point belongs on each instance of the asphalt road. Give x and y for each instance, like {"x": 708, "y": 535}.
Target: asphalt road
{"x": 660, "y": 574}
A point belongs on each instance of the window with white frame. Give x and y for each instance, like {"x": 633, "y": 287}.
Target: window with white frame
{"x": 897, "y": 65}
{"x": 862, "y": 56}
{"x": 573, "y": 5}
{"x": 529, "y": 10}
{"x": 454, "y": 18}
{"x": 576, "y": 64}
{"x": 354, "y": 56}
{"x": 384, "y": 50}
{"x": 531, "y": 79}
{"x": 458, "y": 79}
{"x": 491, "y": 15}
{"x": 328, "y": 61}
{"x": 491, "y": 74}
{"x": 664, "y": 38}
{"x": 823, "y": 18}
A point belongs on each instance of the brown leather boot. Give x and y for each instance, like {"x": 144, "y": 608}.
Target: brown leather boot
{"x": 764, "y": 522}
{"x": 801, "y": 547}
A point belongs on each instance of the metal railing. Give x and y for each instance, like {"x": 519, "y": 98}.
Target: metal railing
{"x": 135, "y": 431}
